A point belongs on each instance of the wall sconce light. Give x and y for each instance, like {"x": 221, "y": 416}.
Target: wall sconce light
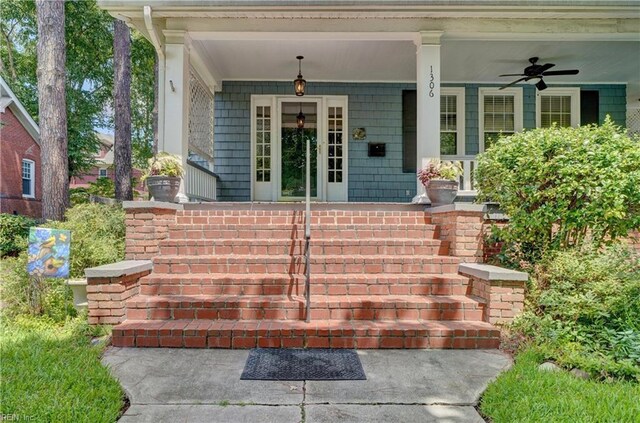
{"x": 299, "y": 83}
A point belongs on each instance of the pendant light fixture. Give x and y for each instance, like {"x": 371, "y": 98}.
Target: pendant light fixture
{"x": 299, "y": 83}
{"x": 300, "y": 118}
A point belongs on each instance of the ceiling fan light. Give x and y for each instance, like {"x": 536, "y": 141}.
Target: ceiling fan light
{"x": 540, "y": 85}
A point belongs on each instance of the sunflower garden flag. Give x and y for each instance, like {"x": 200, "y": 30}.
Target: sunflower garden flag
{"x": 49, "y": 252}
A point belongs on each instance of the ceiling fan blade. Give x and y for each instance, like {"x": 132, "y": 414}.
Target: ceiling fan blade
{"x": 561, "y": 72}
{"x": 513, "y": 74}
{"x": 514, "y": 82}
{"x": 545, "y": 67}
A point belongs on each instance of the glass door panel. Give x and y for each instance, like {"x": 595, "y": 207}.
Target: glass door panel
{"x": 293, "y": 149}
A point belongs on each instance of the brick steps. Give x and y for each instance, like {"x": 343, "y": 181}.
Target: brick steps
{"x": 388, "y": 246}
{"x": 215, "y": 232}
{"x": 287, "y": 284}
{"x": 363, "y": 334}
{"x": 325, "y": 264}
{"x": 325, "y": 307}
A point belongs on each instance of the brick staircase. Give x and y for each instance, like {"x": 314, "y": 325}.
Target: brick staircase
{"x": 234, "y": 278}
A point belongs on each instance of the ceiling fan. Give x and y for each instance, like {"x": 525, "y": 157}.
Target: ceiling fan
{"x": 535, "y": 71}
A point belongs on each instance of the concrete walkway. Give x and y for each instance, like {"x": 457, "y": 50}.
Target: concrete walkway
{"x": 179, "y": 385}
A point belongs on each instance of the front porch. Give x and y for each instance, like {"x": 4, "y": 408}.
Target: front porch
{"x": 415, "y": 81}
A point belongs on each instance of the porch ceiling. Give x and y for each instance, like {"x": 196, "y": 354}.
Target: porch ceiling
{"x": 393, "y": 60}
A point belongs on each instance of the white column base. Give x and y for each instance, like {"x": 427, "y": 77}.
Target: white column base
{"x": 182, "y": 198}
{"x": 421, "y": 199}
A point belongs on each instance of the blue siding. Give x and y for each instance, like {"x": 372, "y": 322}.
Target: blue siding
{"x": 376, "y": 107}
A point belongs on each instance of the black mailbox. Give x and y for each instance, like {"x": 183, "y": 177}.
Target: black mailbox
{"x": 377, "y": 149}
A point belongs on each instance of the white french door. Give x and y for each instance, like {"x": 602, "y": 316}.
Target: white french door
{"x": 278, "y": 148}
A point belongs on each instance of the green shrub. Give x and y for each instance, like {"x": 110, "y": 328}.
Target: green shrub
{"x": 97, "y": 235}
{"x": 562, "y": 187}
{"x": 584, "y": 310}
{"x": 23, "y": 295}
{"x": 14, "y": 231}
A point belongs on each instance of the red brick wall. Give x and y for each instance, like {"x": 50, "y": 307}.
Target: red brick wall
{"x": 94, "y": 174}
{"x": 16, "y": 144}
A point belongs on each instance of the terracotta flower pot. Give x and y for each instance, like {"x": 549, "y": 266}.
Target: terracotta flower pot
{"x": 163, "y": 188}
{"x": 442, "y": 191}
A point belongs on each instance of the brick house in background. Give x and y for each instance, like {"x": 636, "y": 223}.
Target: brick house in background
{"x": 104, "y": 166}
{"x": 20, "y": 163}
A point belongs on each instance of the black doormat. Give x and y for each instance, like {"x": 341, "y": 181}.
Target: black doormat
{"x": 302, "y": 364}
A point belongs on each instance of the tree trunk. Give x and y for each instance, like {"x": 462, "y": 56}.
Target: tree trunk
{"x": 52, "y": 105}
{"x": 122, "y": 110}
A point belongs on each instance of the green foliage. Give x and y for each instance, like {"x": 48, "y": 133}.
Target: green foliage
{"x": 562, "y": 187}
{"x": 89, "y": 75}
{"x": 23, "y": 295}
{"x": 584, "y": 310}
{"x": 102, "y": 187}
{"x": 526, "y": 394}
{"x": 14, "y": 231}
{"x": 97, "y": 235}
{"x": 164, "y": 164}
{"x": 437, "y": 169}
{"x": 51, "y": 373}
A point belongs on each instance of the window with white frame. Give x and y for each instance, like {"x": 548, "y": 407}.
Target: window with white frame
{"x": 28, "y": 178}
{"x": 558, "y": 105}
{"x": 102, "y": 173}
{"x": 452, "y": 121}
{"x": 500, "y": 114}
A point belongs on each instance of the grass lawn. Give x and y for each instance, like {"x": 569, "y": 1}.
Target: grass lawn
{"x": 525, "y": 394}
{"x": 51, "y": 373}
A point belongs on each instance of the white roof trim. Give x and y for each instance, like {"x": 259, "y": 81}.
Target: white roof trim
{"x": 21, "y": 113}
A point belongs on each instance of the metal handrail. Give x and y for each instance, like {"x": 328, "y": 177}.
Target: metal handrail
{"x": 307, "y": 233}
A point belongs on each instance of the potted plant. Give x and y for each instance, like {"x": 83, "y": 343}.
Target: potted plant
{"x": 163, "y": 177}
{"x": 440, "y": 179}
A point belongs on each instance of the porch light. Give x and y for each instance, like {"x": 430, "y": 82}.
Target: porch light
{"x": 300, "y": 118}
{"x": 299, "y": 83}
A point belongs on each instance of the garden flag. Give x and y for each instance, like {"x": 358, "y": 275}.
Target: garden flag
{"x": 49, "y": 252}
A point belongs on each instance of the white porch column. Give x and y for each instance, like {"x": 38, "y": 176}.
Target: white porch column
{"x": 175, "y": 138}
{"x": 428, "y": 107}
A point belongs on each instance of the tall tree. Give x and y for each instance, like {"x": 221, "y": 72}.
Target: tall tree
{"x": 122, "y": 110}
{"x": 53, "y": 117}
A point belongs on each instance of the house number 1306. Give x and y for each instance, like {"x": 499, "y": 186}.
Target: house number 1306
{"x": 431, "y": 83}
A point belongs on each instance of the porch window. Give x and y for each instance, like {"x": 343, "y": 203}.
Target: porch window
{"x": 263, "y": 144}
{"x": 500, "y": 114}
{"x": 452, "y": 121}
{"x": 558, "y": 105}
{"x": 28, "y": 178}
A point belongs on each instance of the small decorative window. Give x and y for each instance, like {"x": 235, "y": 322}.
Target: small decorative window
{"x": 28, "y": 178}
{"x": 263, "y": 144}
{"x": 452, "y": 121}
{"x": 558, "y": 105}
{"x": 500, "y": 114}
{"x": 102, "y": 173}
{"x": 335, "y": 146}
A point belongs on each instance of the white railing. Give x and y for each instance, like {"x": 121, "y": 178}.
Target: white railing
{"x": 468, "y": 163}
{"x": 201, "y": 183}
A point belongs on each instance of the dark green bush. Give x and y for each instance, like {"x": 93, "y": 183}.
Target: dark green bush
{"x": 562, "y": 187}
{"x": 584, "y": 310}
{"x": 14, "y": 231}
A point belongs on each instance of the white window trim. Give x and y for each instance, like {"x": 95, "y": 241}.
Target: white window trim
{"x": 574, "y": 93}
{"x": 32, "y": 181}
{"x": 516, "y": 92}
{"x": 459, "y": 92}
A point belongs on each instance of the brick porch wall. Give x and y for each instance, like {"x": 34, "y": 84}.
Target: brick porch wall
{"x": 147, "y": 224}
{"x": 462, "y": 225}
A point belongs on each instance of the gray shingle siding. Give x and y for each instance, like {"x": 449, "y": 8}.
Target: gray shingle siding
{"x": 374, "y": 106}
